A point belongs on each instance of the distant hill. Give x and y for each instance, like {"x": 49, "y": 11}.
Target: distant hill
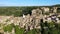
{"x": 57, "y": 5}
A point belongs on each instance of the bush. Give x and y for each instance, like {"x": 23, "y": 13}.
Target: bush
{"x": 8, "y": 28}
{"x": 34, "y": 31}
{"x": 19, "y": 30}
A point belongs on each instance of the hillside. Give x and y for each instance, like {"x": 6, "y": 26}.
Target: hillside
{"x": 20, "y": 10}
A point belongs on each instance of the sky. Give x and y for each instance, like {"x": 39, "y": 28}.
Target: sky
{"x": 28, "y": 2}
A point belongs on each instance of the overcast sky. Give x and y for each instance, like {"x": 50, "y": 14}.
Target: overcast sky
{"x": 28, "y": 2}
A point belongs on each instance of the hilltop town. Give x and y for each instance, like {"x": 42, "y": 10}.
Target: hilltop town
{"x": 32, "y": 21}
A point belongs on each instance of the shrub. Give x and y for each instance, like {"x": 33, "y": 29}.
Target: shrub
{"x": 19, "y": 30}
{"x": 8, "y": 28}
